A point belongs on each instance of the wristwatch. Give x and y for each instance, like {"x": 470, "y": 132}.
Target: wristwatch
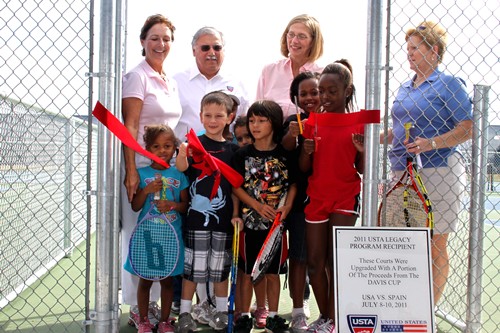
{"x": 433, "y": 144}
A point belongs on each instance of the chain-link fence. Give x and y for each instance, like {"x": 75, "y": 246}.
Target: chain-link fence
{"x": 47, "y": 165}
{"x": 472, "y": 54}
{"x": 45, "y": 160}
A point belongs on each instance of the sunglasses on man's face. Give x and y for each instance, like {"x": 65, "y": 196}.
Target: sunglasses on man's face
{"x": 215, "y": 47}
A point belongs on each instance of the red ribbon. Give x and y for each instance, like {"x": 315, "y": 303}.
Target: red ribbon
{"x": 117, "y": 128}
{"x": 345, "y": 119}
{"x": 210, "y": 165}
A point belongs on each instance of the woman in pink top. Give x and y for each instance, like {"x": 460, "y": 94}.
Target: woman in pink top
{"x": 149, "y": 97}
{"x": 302, "y": 46}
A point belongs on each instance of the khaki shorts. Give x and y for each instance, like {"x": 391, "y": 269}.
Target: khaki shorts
{"x": 446, "y": 187}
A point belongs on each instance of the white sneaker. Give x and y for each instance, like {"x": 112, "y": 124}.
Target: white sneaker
{"x": 203, "y": 312}
{"x": 186, "y": 323}
{"x": 196, "y": 310}
{"x": 299, "y": 323}
{"x": 315, "y": 324}
{"x": 134, "y": 317}
{"x": 219, "y": 321}
{"x": 154, "y": 313}
{"x": 326, "y": 327}
{"x": 307, "y": 310}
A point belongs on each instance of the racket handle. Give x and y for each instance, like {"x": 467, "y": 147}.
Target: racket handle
{"x": 298, "y": 115}
{"x": 157, "y": 194}
{"x": 407, "y": 126}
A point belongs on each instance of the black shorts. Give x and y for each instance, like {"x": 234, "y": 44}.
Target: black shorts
{"x": 250, "y": 244}
{"x": 296, "y": 226}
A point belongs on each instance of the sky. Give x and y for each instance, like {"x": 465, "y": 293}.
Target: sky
{"x": 252, "y": 30}
{"x": 46, "y": 64}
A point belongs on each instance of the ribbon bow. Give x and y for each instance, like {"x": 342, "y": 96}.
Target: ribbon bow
{"x": 210, "y": 165}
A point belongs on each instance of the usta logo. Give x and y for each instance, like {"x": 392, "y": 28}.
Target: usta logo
{"x": 363, "y": 321}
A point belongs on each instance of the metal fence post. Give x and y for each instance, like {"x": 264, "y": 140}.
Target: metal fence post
{"x": 477, "y": 212}
{"x": 68, "y": 187}
{"x": 372, "y": 131}
{"x": 105, "y": 316}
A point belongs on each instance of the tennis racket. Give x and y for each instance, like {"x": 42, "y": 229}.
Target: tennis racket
{"x": 234, "y": 275}
{"x": 407, "y": 204}
{"x": 268, "y": 249}
{"x": 419, "y": 184}
{"x": 154, "y": 245}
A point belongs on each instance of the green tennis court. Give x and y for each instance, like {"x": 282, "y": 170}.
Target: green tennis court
{"x": 45, "y": 307}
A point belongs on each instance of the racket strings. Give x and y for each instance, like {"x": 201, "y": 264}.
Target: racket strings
{"x": 403, "y": 207}
{"x": 267, "y": 253}
{"x": 154, "y": 248}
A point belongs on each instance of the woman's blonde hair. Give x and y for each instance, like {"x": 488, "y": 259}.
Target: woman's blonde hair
{"x": 432, "y": 34}
{"x": 312, "y": 24}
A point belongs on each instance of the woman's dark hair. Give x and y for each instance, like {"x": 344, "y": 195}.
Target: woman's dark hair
{"x": 150, "y": 22}
{"x": 241, "y": 121}
{"x": 151, "y": 132}
{"x": 270, "y": 110}
{"x": 351, "y": 102}
{"x": 302, "y": 76}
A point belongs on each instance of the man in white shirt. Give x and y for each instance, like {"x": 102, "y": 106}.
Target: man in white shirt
{"x": 205, "y": 77}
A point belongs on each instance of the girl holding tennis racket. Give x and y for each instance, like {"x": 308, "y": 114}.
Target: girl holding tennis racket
{"x": 161, "y": 197}
{"x": 334, "y": 153}
{"x": 268, "y": 189}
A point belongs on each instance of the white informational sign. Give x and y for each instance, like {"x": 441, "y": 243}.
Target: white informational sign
{"x": 383, "y": 280}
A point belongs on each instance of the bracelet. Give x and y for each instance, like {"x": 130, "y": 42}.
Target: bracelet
{"x": 433, "y": 144}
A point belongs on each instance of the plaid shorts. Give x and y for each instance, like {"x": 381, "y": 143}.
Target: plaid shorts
{"x": 208, "y": 255}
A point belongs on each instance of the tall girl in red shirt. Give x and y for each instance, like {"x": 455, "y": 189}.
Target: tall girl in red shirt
{"x": 333, "y": 149}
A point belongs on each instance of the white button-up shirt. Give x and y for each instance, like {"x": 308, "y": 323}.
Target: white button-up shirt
{"x": 193, "y": 86}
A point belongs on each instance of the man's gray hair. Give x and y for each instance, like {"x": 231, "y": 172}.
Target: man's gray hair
{"x": 207, "y": 31}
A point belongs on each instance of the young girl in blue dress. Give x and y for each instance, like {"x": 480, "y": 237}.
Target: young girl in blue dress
{"x": 172, "y": 186}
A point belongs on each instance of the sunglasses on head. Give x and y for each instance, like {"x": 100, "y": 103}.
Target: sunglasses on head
{"x": 215, "y": 47}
